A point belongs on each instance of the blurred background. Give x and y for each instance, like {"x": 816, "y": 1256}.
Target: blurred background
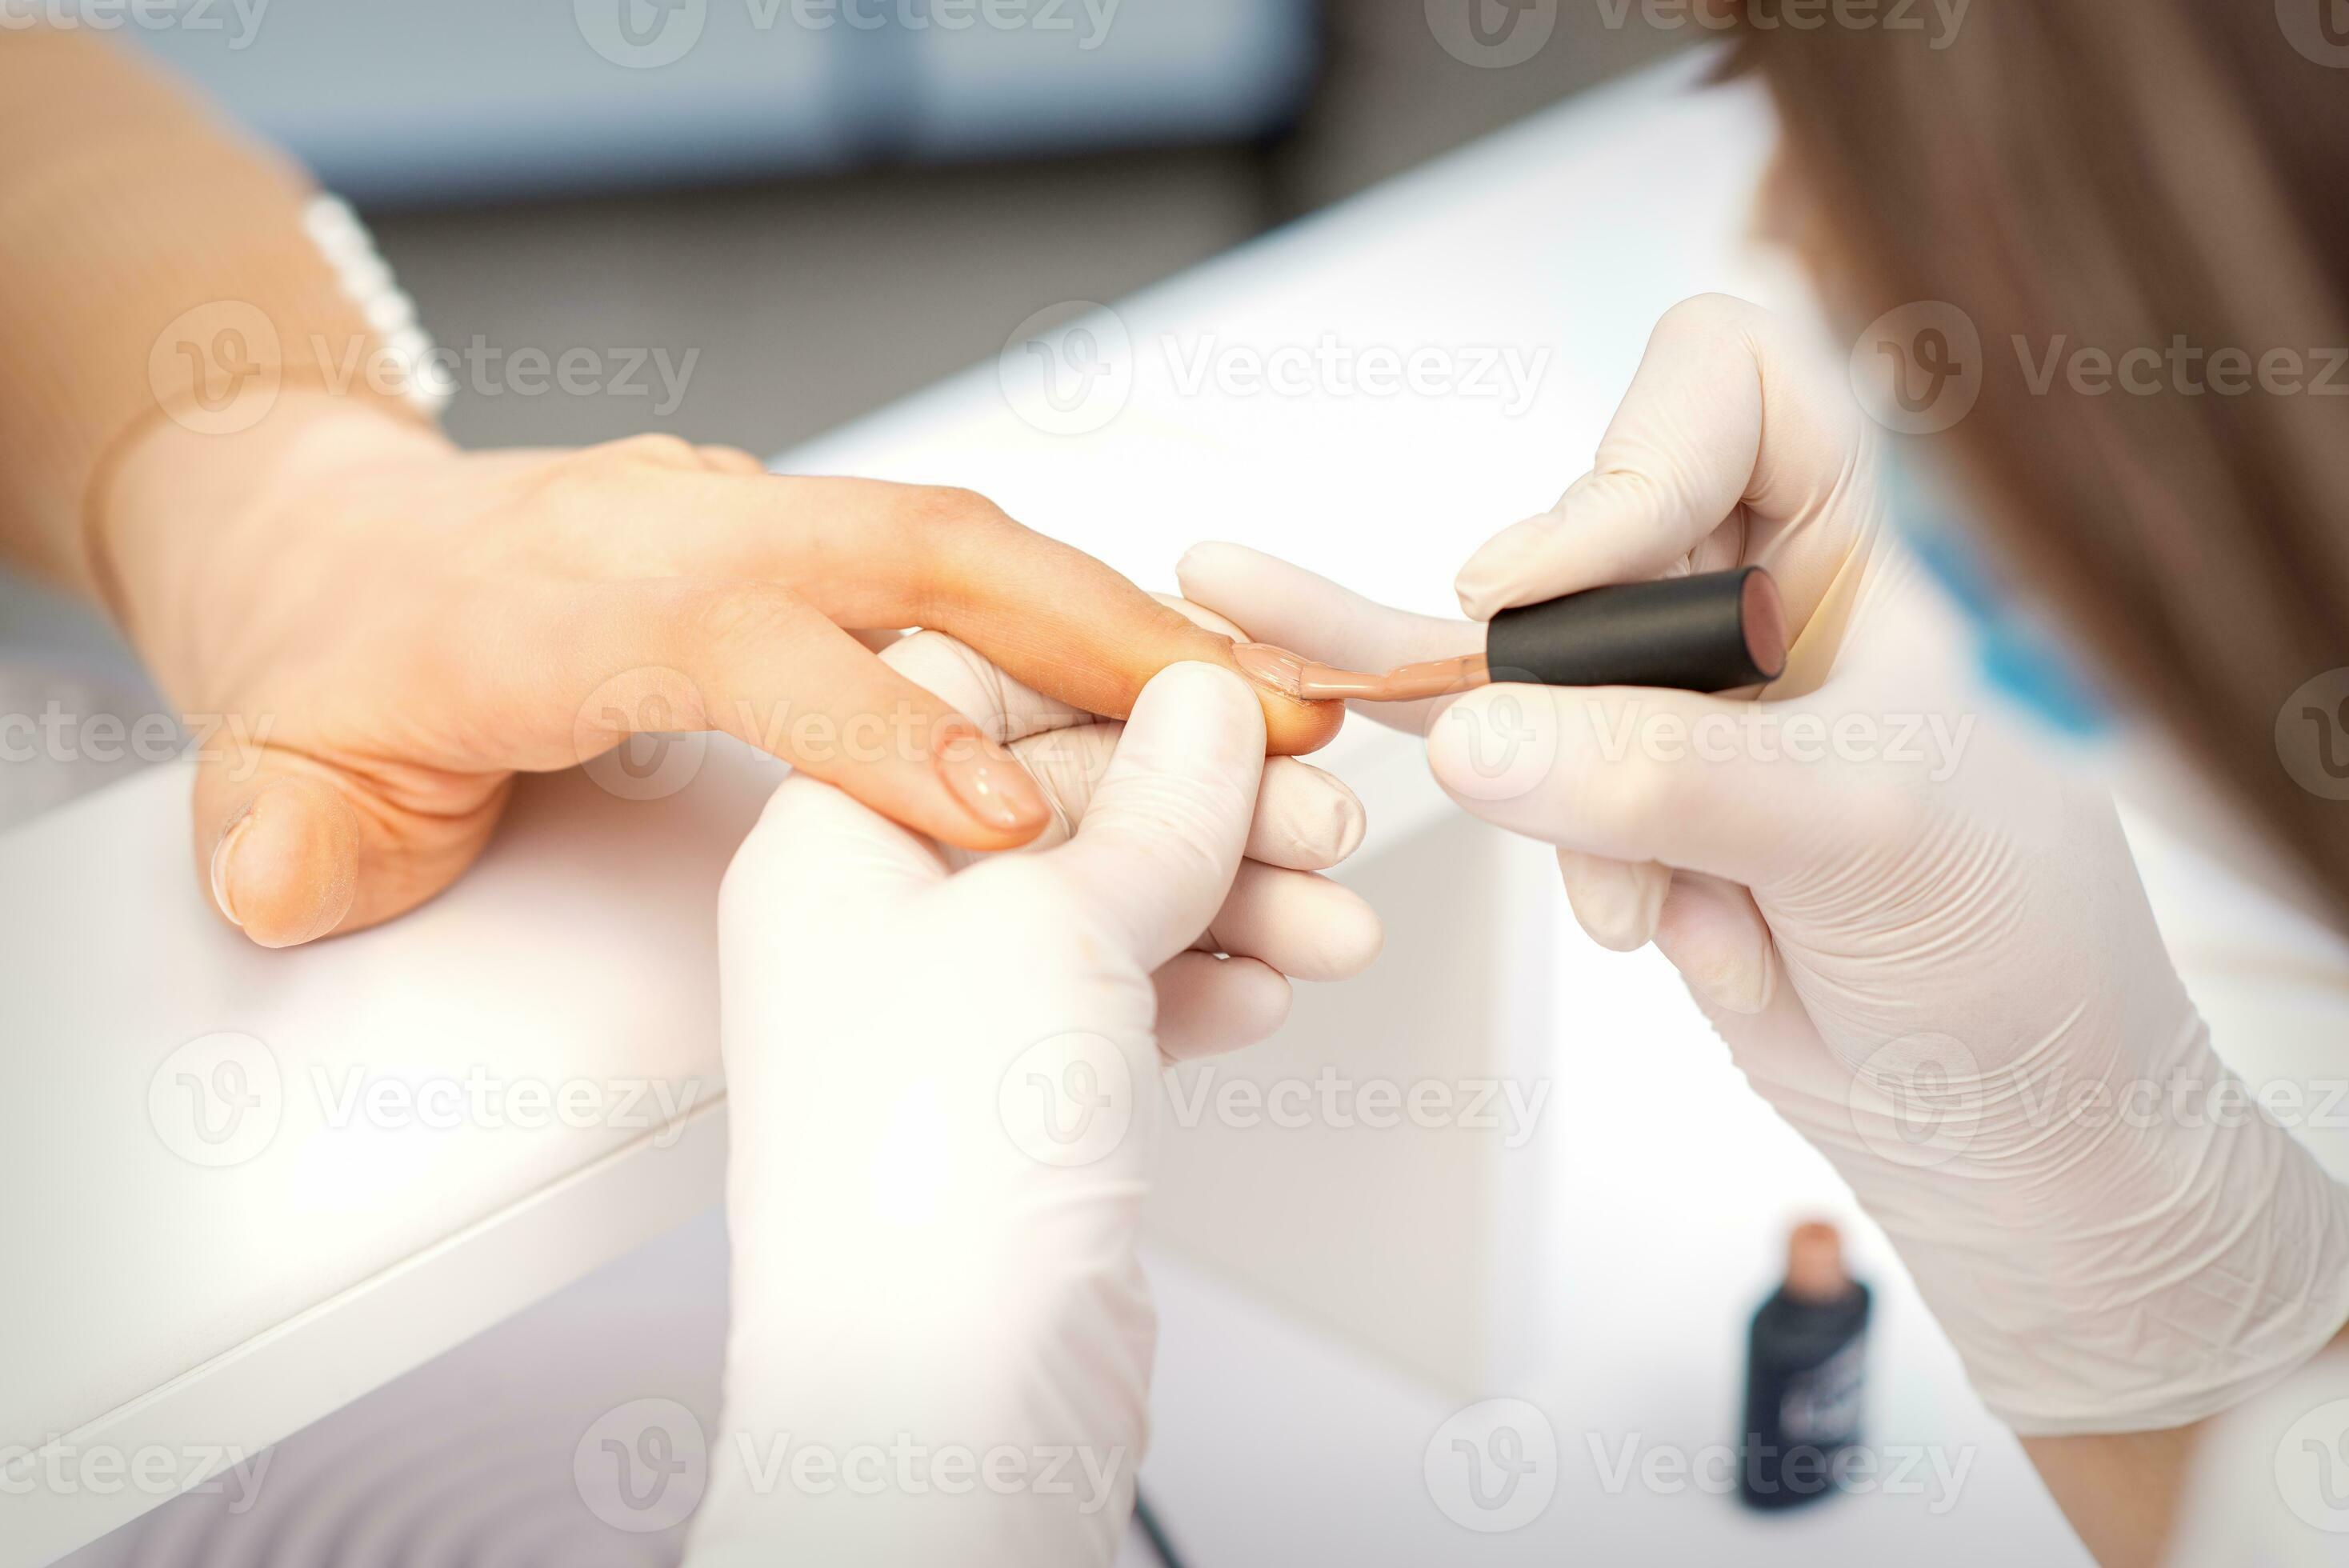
{"x": 828, "y": 203}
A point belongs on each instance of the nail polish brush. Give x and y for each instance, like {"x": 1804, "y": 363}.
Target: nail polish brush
{"x": 1706, "y": 632}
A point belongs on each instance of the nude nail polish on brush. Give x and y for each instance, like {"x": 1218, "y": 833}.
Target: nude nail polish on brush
{"x": 1708, "y": 632}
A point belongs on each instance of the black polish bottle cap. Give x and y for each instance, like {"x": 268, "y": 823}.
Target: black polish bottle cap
{"x": 1708, "y": 632}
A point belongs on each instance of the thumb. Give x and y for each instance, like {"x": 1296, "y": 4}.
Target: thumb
{"x": 1161, "y": 841}
{"x": 277, "y": 845}
{"x": 1733, "y": 414}
{"x": 1694, "y": 782}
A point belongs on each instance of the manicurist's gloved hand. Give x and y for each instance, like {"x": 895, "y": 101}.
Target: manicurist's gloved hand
{"x": 379, "y": 631}
{"x": 1924, "y": 944}
{"x": 943, "y": 1085}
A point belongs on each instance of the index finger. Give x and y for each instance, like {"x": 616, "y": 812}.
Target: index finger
{"x": 1734, "y": 418}
{"x": 872, "y": 554}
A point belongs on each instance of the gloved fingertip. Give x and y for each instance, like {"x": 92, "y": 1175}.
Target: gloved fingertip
{"x": 1714, "y": 936}
{"x": 1740, "y": 983}
{"x": 1202, "y": 687}
{"x": 1501, "y": 573}
{"x": 1352, "y": 937}
{"x": 1351, "y": 825}
{"x": 1750, "y": 988}
{"x": 1619, "y": 905}
{"x": 1196, "y": 558}
{"x": 1210, "y": 1007}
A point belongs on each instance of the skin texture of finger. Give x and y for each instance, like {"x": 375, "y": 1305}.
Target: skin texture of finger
{"x": 730, "y": 461}
{"x": 1159, "y": 845}
{"x": 1733, "y": 416}
{"x": 1307, "y": 613}
{"x": 1569, "y": 767}
{"x": 1616, "y": 903}
{"x": 1305, "y": 925}
{"x": 1714, "y": 934}
{"x": 754, "y": 661}
{"x": 1210, "y": 1007}
{"x": 867, "y": 554}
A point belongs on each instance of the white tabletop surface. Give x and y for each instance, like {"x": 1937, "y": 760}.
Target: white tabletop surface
{"x": 153, "y": 1300}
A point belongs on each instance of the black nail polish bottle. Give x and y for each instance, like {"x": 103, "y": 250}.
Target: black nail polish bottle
{"x": 1806, "y": 1377}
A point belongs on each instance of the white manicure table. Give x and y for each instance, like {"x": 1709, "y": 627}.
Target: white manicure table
{"x": 225, "y": 1217}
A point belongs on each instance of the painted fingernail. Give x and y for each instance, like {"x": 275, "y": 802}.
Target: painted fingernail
{"x": 1274, "y": 668}
{"x": 224, "y": 853}
{"x": 988, "y": 780}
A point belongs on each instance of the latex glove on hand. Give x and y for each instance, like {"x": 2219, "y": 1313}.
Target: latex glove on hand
{"x": 944, "y": 1087}
{"x": 1281, "y": 920}
{"x": 1926, "y": 946}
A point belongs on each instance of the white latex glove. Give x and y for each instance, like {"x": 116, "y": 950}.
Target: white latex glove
{"x": 944, "y": 1087}
{"x": 1924, "y": 945}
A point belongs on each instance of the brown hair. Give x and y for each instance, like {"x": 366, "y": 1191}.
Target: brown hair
{"x": 2118, "y": 175}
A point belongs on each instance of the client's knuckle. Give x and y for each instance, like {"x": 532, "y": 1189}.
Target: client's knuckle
{"x": 944, "y": 509}
{"x": 652, "y": 450}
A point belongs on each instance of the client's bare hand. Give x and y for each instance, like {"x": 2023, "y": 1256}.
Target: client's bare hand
{"x": 394, "y": 629}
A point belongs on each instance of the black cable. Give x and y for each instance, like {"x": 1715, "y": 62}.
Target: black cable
{"x": 1147, "y": 1518}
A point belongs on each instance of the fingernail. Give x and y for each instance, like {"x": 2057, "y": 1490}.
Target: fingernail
{"x": 1495, "y": 575}
{"x": 1353, "y": 824}
{"x": 223, "y": 853}
{"x": 988, "y": 780}
{"x": 1275, "y": 669}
